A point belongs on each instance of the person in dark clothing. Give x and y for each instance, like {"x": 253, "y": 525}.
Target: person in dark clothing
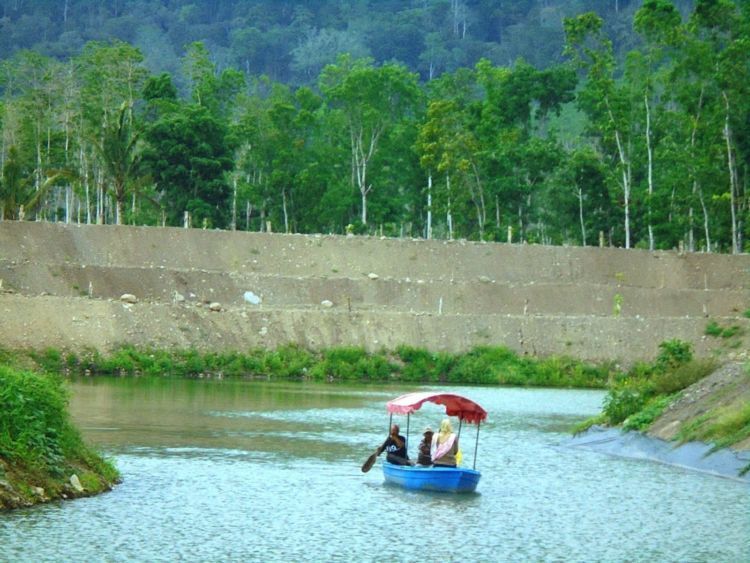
{"x": 424, "y": 448}
{"x": 395, "y": 448}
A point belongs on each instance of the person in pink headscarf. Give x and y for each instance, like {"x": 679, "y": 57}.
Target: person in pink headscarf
{"x": 444, "y": 446}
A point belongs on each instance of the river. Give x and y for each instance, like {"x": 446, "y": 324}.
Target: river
{"x": 260, "y": 471}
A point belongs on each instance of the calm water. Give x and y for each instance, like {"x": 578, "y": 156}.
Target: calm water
{"x": 247, "y": 471}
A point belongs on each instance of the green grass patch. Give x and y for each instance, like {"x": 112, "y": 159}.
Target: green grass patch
{"x": 588, "y": 423}
{"x": 723, "y": 427}
{"x": 483, "y": 365}
{"x": 652, "y": 410}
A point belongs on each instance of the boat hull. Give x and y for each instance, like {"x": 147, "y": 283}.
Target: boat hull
{"x": 442, "y": 479}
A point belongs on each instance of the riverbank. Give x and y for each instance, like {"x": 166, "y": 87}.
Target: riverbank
{"x": 704, "y": 427}
{"x": 42, "y": 455}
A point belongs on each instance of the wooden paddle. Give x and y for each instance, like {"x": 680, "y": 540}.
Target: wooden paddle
{"x": 367, "y": 465}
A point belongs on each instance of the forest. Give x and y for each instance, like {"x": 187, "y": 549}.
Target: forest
{"x": 617, "y": 123}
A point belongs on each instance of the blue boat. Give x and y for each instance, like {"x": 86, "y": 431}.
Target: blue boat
{"x": 442, "y": 479}
{"x": 435, "y": 478}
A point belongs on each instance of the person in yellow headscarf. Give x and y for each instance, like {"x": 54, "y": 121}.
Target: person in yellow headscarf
{"x": 444, "y": 446}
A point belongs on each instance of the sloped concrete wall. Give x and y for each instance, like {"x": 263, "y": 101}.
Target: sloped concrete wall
{"x": 62, "y": 284}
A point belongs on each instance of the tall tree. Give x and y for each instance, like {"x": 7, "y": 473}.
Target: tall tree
{"x": 371, "y": 99}
{"x": 606, "y": 104}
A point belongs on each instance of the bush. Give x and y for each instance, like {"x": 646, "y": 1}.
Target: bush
{"x": 287, "y": 362}
{"x": 673, "y": 354}
{"x": 423, "y": 366}
{"x": 646, "y": 416}
{"x": 34, "y": 426}
{"x": 622, "y": 402}
{"x": 682, "y": 376}
{"x": 489, "y": 365}
{"x": 49, "y": 360}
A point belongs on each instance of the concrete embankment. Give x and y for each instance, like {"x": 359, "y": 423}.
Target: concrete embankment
{"x": 695, "y": 456}
{"x": 212, "y": 290}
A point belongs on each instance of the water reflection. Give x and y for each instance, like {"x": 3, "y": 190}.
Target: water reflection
{"x": 270, "y": 472}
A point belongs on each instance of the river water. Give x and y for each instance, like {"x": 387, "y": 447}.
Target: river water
{"x": 259, "y": 471}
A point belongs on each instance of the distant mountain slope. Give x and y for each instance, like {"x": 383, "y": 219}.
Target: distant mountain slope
{"x": 291, "y": 40}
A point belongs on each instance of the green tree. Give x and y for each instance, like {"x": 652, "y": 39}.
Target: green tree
{"x": 372, "y": 99}
{"x": 188, "y": 154}
{"x": 606, "y": 104}
{"x": 118, "y": 146}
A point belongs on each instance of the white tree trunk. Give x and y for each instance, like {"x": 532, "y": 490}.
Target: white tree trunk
{"x": 650, "y": 152}
{"x": 429, "y": 206}
{"x": 580, "y": 216}
{"x": 625, "y": 165}
{"x": 733, "y": 181}
{"x": 284, "y": 209}
{"x": 449, "y": 215}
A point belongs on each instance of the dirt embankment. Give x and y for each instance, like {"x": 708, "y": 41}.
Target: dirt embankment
{"x": 725, "y": 391}
{"x": 63, "y": 285}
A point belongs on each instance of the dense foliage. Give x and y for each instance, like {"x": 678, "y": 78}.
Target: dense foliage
{"x": 629, "y": 126}
{"x": 637, "y": 397}
{"x": 35, "y": 429}
{"x": 483, "y": 365}
{"x": 292, "y": 40}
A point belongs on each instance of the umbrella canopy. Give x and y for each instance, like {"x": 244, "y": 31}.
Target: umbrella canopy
{"x": 455, "y": 405}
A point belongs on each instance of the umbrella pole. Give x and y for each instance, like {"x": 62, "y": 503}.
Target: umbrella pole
{"x": 476, "y": 446}
{"x": 406, "y": 444}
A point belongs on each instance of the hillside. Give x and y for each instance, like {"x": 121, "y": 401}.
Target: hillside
{"x": 62, "y": 286}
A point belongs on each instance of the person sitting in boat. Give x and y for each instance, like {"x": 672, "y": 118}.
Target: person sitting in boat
{"x": 444, "y": 446}
{"x": 425, "y": 445}
{"x": 395, "y": 448}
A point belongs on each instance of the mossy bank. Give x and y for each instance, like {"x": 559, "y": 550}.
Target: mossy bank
{"x": 42, "y": 455}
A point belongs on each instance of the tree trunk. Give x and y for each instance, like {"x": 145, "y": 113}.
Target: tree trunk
{"x": 650, "y": 152}
{"x": 580, "y": 216}
{"x": 449, "y": 214}
{"x": 696, "y": 185}
{"x": 733, "y": 188}
{"x": 429, "y": 206}
{"x": 284, "y": 210}
{"x": 625, "y": 165}
{"x": 233, "y": 225}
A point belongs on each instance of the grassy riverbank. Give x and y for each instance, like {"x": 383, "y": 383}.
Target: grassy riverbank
{"x": 482, "y": 365}
{"x": 42, "y": 455}
{"x": 681, "y": 398}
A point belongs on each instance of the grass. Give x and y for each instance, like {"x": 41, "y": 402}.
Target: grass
{"x": 722, "y": 426}
{"x": 39, "y": 445}
{"x": 483, "y": 365}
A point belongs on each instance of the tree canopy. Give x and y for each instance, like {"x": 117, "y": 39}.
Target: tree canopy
{"x": 310, "y": 117}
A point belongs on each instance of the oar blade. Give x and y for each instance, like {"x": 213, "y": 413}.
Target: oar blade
{"x": 367, "y": 465}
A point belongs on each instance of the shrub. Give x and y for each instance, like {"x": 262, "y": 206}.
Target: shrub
{"x": 622, "y": 402}
{"x": 673, "y": 354}
{"x": 650, "y": 412}
{"x": 713, "y": 329}
{"x": 49, "y": 360}
{"x": 683, "y": 376}
{"x": 349, "y": 363}
{"x": 34, "y": 425}
{"x": 487, "y": 364}
{"x": 421, "y": 365}
{"x": 288, "y": 362}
